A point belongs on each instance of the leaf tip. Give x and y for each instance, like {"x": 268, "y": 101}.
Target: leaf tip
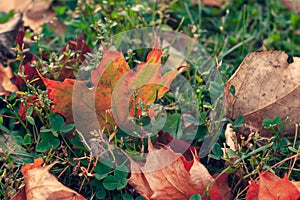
{"x": 36, "y": 163}
{"x": 150, "y": 145}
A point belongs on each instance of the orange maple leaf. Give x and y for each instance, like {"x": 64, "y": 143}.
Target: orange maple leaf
{"x": 272, "y": 187}
{"x": 112, "y": 74}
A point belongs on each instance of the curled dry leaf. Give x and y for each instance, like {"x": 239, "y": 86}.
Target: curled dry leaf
{"x": 6, "y": 86}
{"x": 265, "y": 85}
{"x": 40, "y": 184}
{"x": 272, "y": 187}
{"x": 168, "y": 175}
{"x": 230, "y": 137}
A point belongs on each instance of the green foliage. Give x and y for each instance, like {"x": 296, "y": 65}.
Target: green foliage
{"x": 217, "y": 152}
{"x": 4, "y": 17}
{"x": 48, "y": 141}
{"x": 270, "y": 123}
{"x": 196, "y": 197}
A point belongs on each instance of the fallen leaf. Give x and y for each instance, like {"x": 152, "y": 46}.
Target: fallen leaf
{"x": 8, "y": 33}
{"x": 30, "y": 73}
{"x": 296, "y": 184}
{"x": 16, "y": 5}
{"x": 36, "y": 164}
{"x": 38, "y": 13}
{"x": 61, "y": 93}
{"x": 6, "y": 86}
{"x": 66, "y": 63}
{"x": 292, "y": 5}
{"x": 222, "y": 186}
{"x": 168, "y": 175}
{"x": 40, "y": 184}
{"x": 272, "y": 187}
{"x": 230, "y": 137}
{"x": 265, "y": 85}
{"x": 178, "y": 146}
{"x": 111, "y": 71}
{"x": 80, "y": 48}
{"x": 112, "y": 67}
{"x": 147, "y": 82}
{"x": 252, "y": 193}
{"x": 24, "y": 106}
{"x": 215, "y": 3}
{"x": 35, "y": 13}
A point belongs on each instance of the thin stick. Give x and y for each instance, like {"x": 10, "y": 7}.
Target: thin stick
{"x": 275, "y": 165}
{"x": 292, "y": 164}
{"x": 296, "y": 134}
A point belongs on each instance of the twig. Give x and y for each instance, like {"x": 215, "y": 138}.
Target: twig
{"x": 292, "y": 164}
{"x": 286, "y": 159}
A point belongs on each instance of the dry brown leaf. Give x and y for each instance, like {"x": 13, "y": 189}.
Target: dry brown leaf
{"x": 292, "y": 5}
{"x": 266, "y": 85}
{"x": 8, "y": 33}
{"x": 230, "y": 136}
{"x": 35, "y": 13}
{"x": 216, "y": 3}
{"x": 167, "y": 175}
{"x": 6, "y": 86}
{"x": 40, "y": 184}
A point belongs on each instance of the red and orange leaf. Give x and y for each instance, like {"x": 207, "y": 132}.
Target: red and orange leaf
{"x": 61, "y": 93}
{"x": 220, "y": 186}
{"x": 150, "y": 73}
{"x": 252, "y": 193}
{"x": 105, "y": 77}
{"x": 146, "y": 84}
{"x": 113, "y": 75}
{"x": 111, "y": 68}
{"x": 271, "y": 187}
{"x": 154, "y": 56}
{"x": 296, "y": 184}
